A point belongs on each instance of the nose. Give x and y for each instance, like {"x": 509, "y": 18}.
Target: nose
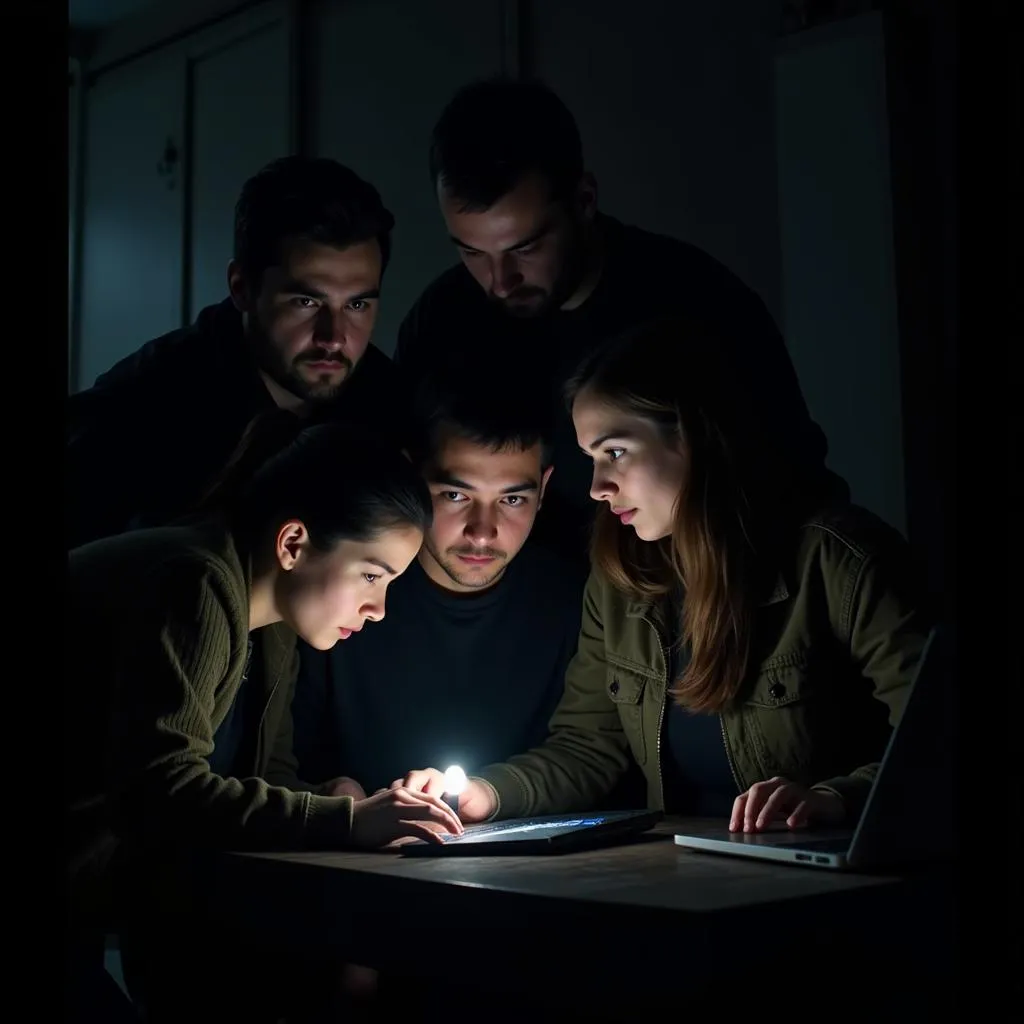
{"x": 505, "y": 276}
{"x": 373, "y": 610}
{"x": 330, "y": 329}
{"x": 601, "y": 488}
{"x": 481, "y": 526}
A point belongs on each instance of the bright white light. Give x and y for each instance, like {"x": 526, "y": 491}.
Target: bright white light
{"x": 454, "y": 780}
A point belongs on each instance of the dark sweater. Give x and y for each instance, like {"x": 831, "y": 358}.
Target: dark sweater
{"x": 153, "y": 432}
{"x": 646, "y": 277}
{"x": 159, "y": 632}
{"x": 444, "y": 679}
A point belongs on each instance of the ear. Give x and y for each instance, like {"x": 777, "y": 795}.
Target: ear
{"x": 545, "y": 477}
{"x": 586, "y": 197}
{"x": 238, "y": 287}
{"x": 290, "y": 544}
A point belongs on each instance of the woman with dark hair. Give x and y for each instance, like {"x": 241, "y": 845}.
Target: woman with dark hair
{"x": 302, "y": 535}
{"x": 749, "y": 637}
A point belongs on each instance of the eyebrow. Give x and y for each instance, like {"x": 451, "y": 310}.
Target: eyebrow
{"x": 296, "y": 287}
{"x": 382, "y": 565}
{"x": 462, "y": 485}
{"x": 621, "y": 435}
{"x": 536, "y": 236}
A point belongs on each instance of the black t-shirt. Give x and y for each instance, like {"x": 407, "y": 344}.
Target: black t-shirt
{"x": 444, "y": 679}
{"x": 645, "y": 277}
{"x": 698, "y": 776}
{"x": 234, "y": 742}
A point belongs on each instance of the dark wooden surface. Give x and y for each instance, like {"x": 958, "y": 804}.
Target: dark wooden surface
{"x": 650, "y": 873}
{"x": 600, "y": 925}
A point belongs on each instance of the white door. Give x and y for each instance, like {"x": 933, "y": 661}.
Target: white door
{"x": 240, "y": 104}
{"x": 132, "y": 229}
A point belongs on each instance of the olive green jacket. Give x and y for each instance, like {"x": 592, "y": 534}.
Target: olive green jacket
{"x": 159, "y": 632}
{"x": 842, "y": 630}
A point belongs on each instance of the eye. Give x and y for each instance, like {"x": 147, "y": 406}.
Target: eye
{"x": 303, "y": 302}
{"x": 514, "y": 500}
{"x": 615, "y": 453}
{"x": 527, "y": 249}
{"x": 469, "y": 253}
{"x": 371, "y": 577}
{"x": 453, "y": 496}
{"x": 359, "y": 305}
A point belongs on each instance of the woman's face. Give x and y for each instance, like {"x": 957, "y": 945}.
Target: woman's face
{"x": 635, "y": 471}
{"x": 327, "y": 596}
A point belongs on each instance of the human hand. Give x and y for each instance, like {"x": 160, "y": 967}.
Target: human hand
{"x": 778, "y": 799}
{"x": 344, "y": 786}
{"x": 477, "y": 801}
{"x": 396, "y": 814}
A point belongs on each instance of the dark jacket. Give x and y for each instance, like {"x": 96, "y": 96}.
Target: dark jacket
{"x": 836, "y": 645}
{"x": 159, "y": 624}
{"x": 147, "y": 439}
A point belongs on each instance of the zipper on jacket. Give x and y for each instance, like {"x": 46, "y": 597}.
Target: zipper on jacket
{"x": 661, "y": 712}
{"x": 728, "y": 755}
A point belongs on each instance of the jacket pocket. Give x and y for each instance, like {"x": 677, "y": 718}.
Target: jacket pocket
{"x": 626, "y": 691}
{"x": 782, "y": 711}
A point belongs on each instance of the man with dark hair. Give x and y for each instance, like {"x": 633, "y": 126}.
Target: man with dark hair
{"x": 471, "y": 657}
{"x": 311, "y": 243}
{"x": 544, "y": 277}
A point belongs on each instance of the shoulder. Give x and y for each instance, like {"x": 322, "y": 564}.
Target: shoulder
{"x": 163, "y": 367}
{"x": 430, "y": 317}
{"x": 193, "y": 569}
{"x": 453, "y": 283}
{"x": 847, "y": 533}
{"x": 673, "y": 264}
{"x": 856, "y": 560}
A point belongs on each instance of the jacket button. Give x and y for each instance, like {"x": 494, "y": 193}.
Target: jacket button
{"x": 615, "y": 686}
{"x": 776, "y": 691}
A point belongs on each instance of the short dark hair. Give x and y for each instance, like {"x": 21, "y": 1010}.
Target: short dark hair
{"x": 311, "y": 198}
{"x": 497, "y": 411}
{"x": 495, "y": 132}
{"x": 339, "y": 480}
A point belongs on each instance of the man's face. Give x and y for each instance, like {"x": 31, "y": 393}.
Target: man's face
{"x": 485, "y": 503}
{"x": 312, "y": 318}
{"x": 526, "y": 251}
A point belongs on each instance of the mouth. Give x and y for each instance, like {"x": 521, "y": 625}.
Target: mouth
{"x": 625, "y": 514}
{"x": 476, "y": 559}
{"x": 344, "y": 632}
{"x": 326, "y": 366}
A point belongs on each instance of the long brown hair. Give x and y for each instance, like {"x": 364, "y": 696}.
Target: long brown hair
{"x": 744, "y": 487}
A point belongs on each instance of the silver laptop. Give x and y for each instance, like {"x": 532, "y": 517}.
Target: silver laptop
{"x": 907, "y": 818}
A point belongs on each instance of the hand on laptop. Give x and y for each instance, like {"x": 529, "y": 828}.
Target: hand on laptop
{"x": 477, "y": 802}
{"x": 778, "y": 800}
{"x": 397, "y": 813}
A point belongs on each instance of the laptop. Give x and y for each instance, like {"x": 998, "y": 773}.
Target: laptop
{"x": 907, "y": 818}
{"x": 554, "y": 833}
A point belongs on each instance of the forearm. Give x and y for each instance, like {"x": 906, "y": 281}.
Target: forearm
{"x": 571, "y": 771}
{"x": 227, "y": 812}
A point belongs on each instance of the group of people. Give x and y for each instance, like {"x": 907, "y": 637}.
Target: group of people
{"x": 578, "y": 536}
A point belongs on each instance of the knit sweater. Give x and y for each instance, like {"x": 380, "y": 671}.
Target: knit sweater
{"x": 159, "y": 623}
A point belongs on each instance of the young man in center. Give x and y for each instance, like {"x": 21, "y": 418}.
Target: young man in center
{"x": 470, "y": 661}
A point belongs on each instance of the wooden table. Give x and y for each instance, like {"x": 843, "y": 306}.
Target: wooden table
{"x": 604, "y": 918}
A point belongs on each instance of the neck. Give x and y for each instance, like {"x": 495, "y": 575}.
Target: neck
{"x": 593, "y": 265}
{"x": 262, "y": 606}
